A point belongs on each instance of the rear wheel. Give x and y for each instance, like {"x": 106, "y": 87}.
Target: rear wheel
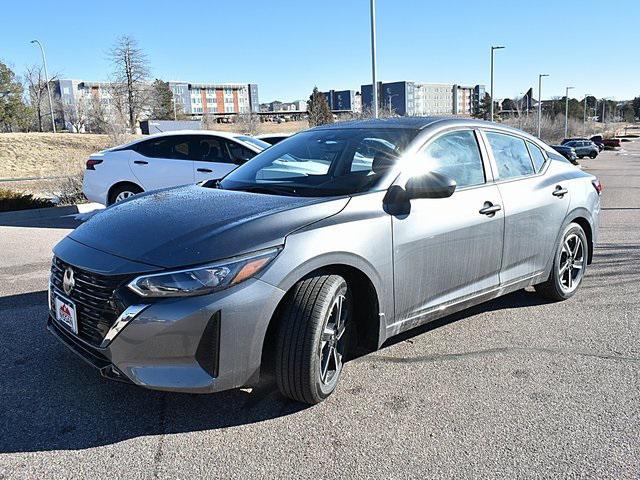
{"x": 580, "y": 157}
{"x": 569, "y": 265}
{"x": 123, "y": 192}
{"x": 593, "y": 155}
{"x": 312, "y": 338}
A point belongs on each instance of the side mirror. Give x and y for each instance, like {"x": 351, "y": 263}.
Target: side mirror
{"x": 430, "y": 185}
{"x": 239, "y": 161}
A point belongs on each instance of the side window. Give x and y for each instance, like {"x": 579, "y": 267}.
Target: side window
{"x": 537, "y": 156}
{"x": 209, "y": 149}
{"x": 511, "y": 155}
{"x": 457, "y": 155}
{"x": 239, "y": 153}
{"x": 165, "y": 147}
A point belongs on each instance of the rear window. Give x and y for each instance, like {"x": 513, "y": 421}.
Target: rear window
{"x": 511, "y": 155}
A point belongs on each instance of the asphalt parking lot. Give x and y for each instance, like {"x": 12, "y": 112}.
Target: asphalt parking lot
{"x": 516, "y": 387}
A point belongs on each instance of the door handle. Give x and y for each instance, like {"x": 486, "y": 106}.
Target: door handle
{"x": 140, "y": 162}
{"x": 560, "y": 192}
{"x": 205, "y": 170}
{"x": 490, "y": 209}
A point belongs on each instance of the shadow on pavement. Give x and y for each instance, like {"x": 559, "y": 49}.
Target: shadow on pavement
{"x": 518, "y": 299}
{"x": 52, "y": 400}
{"x": 67, "y": 222}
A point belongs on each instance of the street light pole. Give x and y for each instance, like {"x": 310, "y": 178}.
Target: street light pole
{"x": 566, "y": 112}
{"x": 46, "y": 79}
{"x": 374, "y": 72}
{"x": 540, "y": 102}
{"x": 493, "y": 49}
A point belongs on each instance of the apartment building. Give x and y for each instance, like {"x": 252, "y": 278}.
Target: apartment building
{"x": 197, "y": 99}
{"x": 343, "y": 100}
{"x": 413, "y": 98}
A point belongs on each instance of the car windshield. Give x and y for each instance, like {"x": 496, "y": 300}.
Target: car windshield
{"x": 322, "y": 162}
{"x": 253, "y": 141}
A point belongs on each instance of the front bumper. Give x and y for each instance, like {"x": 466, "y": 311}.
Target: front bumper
{"x": 199, "y": 344}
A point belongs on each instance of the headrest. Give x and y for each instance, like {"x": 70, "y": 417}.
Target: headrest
{"x": 382, "y": 162}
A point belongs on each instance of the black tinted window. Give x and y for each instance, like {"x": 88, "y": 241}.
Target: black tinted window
{"x": 239, "y": 153}
{"x": 209, "y": 149}
{"x": 166, "y": 147}
{"x": 536, "y": 155}
{"x": 511, "y": 155}
{"x": 457, "y": 155}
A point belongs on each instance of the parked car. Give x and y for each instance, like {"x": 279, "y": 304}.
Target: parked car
{"x": 208, "y": 287}
{"x": 597, "y": 139}
{"x": 612, "y": 143}
{"x": 165, "y": 160}
{"x": 567, "y": 152}
{"x": 273, "y": 138}
{"x": 583, "y": 148}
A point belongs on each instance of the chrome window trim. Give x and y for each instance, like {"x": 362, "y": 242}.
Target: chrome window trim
{"x": 494, "y": 165}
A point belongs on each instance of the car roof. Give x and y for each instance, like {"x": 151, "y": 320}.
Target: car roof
{"x": 217, "y": 133}
{"x": 417, "y": 123}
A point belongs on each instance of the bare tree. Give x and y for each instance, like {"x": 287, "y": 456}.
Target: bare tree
{"x": 248, "y": 123}
{"x": 37, "y": 87}
{"x": 76, "y": 115}
{"x": 131, "y": 71}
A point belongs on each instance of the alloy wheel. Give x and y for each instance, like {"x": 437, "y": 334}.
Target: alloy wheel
{"x": 572, "y": 263}
{"x": 332, "y": 342}
{"x": 123, "y": 196}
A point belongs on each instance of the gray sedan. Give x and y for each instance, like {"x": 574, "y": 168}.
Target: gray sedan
{"x": 323, "y": 246}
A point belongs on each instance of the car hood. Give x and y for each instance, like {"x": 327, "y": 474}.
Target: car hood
{"x": 194, "y": 224}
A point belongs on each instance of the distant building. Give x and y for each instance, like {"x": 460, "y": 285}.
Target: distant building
{"x": 197, "y": 99}
{"x": 413, "y": 98}
{"x": 343, "y": 100}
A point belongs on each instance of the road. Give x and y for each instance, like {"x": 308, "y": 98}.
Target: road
{"x": 517, "y": 387}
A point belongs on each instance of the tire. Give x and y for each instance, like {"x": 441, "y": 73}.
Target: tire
{"x": 559, "y": 286}
{"x": 308, "y": 358}
{"x": 123, "y": 191}
{"x": 580, "y": 157}
{"x": 593, "y": 155}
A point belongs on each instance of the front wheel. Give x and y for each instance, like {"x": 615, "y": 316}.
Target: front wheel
{"x": 593, "y": 155}
{"x": 569, "y": 265}
{"x": 312, "y": 338}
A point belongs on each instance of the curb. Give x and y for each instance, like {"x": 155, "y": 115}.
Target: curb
{"x": 49, "y": 212}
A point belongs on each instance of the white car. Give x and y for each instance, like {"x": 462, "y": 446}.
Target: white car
{"x": 165, "y": 160}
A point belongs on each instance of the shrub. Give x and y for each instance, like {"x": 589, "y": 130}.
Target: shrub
{"x": 11, "y": 200}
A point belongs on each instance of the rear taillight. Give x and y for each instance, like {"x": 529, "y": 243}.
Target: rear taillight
{"x": 597, "y": 185}
{"x": 91, "y": 163}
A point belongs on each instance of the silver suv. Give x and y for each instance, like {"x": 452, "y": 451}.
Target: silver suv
{"x": 325, "y": 244}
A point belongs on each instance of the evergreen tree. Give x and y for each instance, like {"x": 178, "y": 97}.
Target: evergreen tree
{"x": 161, "y": 101}
{"x": 14, "y": 114}
{"x": 484, "y": 108}
{"x": 318, "y": 109}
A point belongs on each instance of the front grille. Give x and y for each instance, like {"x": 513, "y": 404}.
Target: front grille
{"x": 97, "y": 307}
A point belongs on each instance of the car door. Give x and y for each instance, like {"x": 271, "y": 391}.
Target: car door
{"x": 212, "y": 159}
{"x": 535, "y": 203}
{"x": 162, "y": 162}
{"x": 448, "y": 249}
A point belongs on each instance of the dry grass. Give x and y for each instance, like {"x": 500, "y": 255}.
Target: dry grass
{"x": 46, "y": 154}
{"x": 552, "y": 130}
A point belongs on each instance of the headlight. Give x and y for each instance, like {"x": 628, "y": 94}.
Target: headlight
{"x": 203, "y": 279}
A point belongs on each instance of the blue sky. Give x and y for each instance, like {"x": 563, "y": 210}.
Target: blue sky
{"x": 289, "y": 46}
